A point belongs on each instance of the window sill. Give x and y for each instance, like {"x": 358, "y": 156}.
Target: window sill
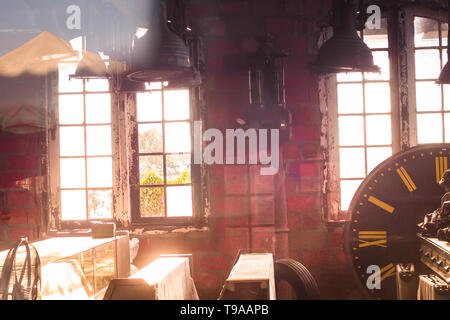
{"x": 69, "y": 233}
{"x": 148, "y": 232}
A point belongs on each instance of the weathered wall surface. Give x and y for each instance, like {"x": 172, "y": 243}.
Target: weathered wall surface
{"x": 242, "y": 201}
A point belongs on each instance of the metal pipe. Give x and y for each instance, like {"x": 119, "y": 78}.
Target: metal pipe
{"x": 281, "y": 217}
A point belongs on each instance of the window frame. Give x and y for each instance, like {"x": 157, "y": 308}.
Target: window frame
{"x": 134, "y": 178}
{"x": 54, "y": 171}
{"x": 442, "y": 19}
{"x": 403, "y": 99}
{"x": 124, "y": 204}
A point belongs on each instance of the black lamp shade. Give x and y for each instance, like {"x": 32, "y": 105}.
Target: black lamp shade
{"x": 345, "y": 51}
{"x": 161, "y": 55}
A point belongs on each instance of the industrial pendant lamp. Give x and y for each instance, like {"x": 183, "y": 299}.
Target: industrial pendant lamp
{"x": 345, "y": 51}
{"x": 267, "y": 90}
{"x": 444, "y": 77}
{"x": 161, "y": 55}
{"x": 267, "y": 75}
{"x": 91, "y": 66}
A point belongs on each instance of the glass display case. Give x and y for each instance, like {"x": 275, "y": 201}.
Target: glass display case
{"x": 80, "y": 268}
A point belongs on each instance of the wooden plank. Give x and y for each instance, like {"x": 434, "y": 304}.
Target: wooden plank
{"x": 251, "y": 267}
{"x": 252, "y": 277}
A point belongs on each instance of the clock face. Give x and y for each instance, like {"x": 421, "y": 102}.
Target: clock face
{"x": 384, "y": 214}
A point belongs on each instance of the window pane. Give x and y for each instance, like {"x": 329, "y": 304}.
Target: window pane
{"x": 178, "y": 169}
{"x": 178, "y": 137}
{"x": 426, "y": 32}
{"x": 77, "y": 45}
{"x": 348, "y": 189}
{"x": 71, "y": 109}
{"x": 149, "y": 106}
{"x": 428, "y": 64}
{"x": 179, "y": 201}
{"x": 446, "y": 97}
{"x": 73, "y": 173}
{"x": 150, "y": 138}
{"x": 352, "y": 163}
{"x": 99, "y": 172}
{"x": 351, "y": 130}
{"x": 351, "y": 76}
{"x": 98, "y": 140}
{"x": 71, "y": 141}
{"x": 350, "y": 98}
{"x": 429, "y": 128}
{"x": 153, "y": 85}
{"x": 100, "y": 204}
{"x": 73, "y": 205}
{"x": 376, "y": 41}
{"x": 66, "y": 84}
{"x": 176, "y": 105}
{"x": 152, "y": 202}
{"x": 428, "y": 96}
{"x": 98, "y": 108}
{"x": 447, "y": 127}
{"x": 381, "y": 59}
{"x": 444, "y": 33}
{"x": 151, "y": 170}
{"x": 378, "y": 98}
{"x": 97, "y": 85}
{"x": 377, "y": 155}
{"x": 377, "y": 38}
{"x": 378, "y": 130}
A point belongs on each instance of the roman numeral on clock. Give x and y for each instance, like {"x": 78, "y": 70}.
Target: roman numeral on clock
{"x": 381, "y": 204}
{"x": 406, "y": 179}
{"x": 441, "y": 167}
{"x": 372, "y": 238}
{"x": 387, "y": 272}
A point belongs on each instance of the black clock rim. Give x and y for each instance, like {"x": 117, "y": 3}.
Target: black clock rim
{"x": 354, "y": 202}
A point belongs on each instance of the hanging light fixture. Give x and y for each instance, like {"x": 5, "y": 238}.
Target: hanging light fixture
{"x": 267, "y": 90}
{"x": 91, "y": 66}
{"x": 444, "y": 77}
{"x": 161, "y": 55}
{"x": 267, "y": 75}
{"x": 345, "y": 51}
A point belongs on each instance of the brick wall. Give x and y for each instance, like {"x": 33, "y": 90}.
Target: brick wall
{"x": 241, "y": 199}
{"x": 19, "y": 197}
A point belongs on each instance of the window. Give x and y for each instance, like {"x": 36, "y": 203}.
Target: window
{"x": 364, "y": 118}
{"x": 164, "y": 154}
{"x": 120, "y": 155}
{"x": 432, "y": 100}
{"x": 372, "y": 116}
{"x": 84, "y": 147}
